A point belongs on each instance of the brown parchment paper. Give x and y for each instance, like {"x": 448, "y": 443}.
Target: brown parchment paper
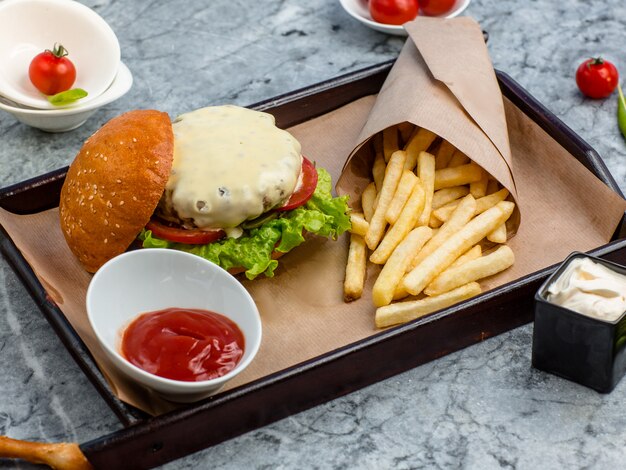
{"x": 443, "y": 81}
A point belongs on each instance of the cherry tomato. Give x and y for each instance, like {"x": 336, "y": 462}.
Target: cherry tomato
{"x": 393, "y": 11}
{"x": 436, "y": 7}
{"x": 182, "y": 235}
{"x": 51, "y": 71}
{"x": 306, "y": 189}
{"x": 597, "y": 78}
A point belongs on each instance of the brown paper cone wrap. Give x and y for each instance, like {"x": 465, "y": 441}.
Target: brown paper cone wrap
{"x": 443, "y": 81}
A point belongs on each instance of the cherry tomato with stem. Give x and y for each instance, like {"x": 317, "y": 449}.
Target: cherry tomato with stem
{"x": 393, "y": 11}
{"x": 597, "y": 78}
{"x": 51, "y": 71}
{"x": 436, "y": 7}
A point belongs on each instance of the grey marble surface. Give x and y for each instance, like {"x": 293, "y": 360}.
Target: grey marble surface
{"x": 483, "y": 407}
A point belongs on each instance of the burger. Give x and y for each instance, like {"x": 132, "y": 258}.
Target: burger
{"x": 221, "y": 182}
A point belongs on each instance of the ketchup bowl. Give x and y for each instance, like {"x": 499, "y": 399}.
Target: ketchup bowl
{"x": 157, "y": 284}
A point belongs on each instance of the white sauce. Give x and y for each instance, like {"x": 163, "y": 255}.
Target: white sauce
{"x": 590, "y": 288}
{"x": 231, "y": 164}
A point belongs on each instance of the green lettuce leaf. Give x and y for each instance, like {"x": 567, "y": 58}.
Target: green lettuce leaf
{"x": 322, "y": 215}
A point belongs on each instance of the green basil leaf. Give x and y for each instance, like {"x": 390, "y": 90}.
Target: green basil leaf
{"x": 621, "y": 111}
{"x": 67, "y": 97}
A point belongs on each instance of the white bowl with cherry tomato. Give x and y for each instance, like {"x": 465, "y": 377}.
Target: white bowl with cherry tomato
{"x": 388, "y": 16}
{"x": 57, "y": 48}
{"x": 173, "y": 322}
{"x": 70, "y": 117}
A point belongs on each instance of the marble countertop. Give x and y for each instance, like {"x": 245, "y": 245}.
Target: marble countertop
{"x": 483, "y": 407}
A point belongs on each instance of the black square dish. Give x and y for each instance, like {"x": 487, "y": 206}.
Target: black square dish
{"x": 572, "y": 345}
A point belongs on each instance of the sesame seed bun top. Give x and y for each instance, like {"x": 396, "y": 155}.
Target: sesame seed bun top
{"x": 114, "y": 185}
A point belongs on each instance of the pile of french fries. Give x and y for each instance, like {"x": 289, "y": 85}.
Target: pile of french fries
{"x": 433, "y": 219}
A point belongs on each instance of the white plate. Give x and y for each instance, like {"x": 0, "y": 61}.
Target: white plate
{"x": 73, "y": 116}
{"x": 358, "y": 9}
{"x": 28, "y": 27}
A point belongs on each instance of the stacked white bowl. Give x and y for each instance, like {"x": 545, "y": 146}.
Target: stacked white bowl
{"x": 27, "y": 28}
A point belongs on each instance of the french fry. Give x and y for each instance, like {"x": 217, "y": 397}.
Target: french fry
{"x": 462, "y": 214}
{"x": 447, "y": 195}
{"x": 448, "y": 177}
{"x": 403, "y": 312}
{"x": 385, "y": 195}
{"x": 479, "y": 188}
{"x": 458, "y": 159}
{"x": 474, "y": 231}
{"x": 378, "y": 170}
{"x": 473, "y": 253}
{"x": 390, "y": 142}
{"x": 444, "y": 154}
{"x": 482, "y": 204}
{"x": 359, "y": 224}
{"x": 405, "y": 223}
{"x": 367, "y": 200}
{"x": 484, "y": 266}
{"x": 434, "y": 222}
{"x": 426, "y": 173}
{"x": 405, "y": 130}
{"x": 403, "y": 192}
{"x": 418, "y": 142}
{"x": 498, "y": 235}
{"x": 355, "y": 269}
{"x": 396, "y": 265}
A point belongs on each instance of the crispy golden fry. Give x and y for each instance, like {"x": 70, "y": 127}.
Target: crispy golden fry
{"x": 403, "y": 312}
{"x": 405, "y": 223}
{"x": 474, "y": 231}
{"x": 473, "y": 253}
{"x": 447, "y": 195}
{"x": 405, "y": 129}
{"x": 492, "y": 186}
{"x": 458, "y": 159}
{"x": 482, "y": 204}
{"x": 419, "y": 142}
{"x": 390, "y": 142}
{"x": 396, "y": 265}
{"x": 484, "y": 266}
{"x": 367, "y": 200}
{"x": 434, "y": 222}
{"x": 457, "y": 176}
{"x": 359, "y": 224}
{"x": 403, "y": 192}
{"x": 462, "y": 214}
{"x": 355, "y": 269}
{"x": 378, "y": 170}
{"x": 385, "y": 195}
{"x": 444, "y": 154}
{"x": 498, "y": 235}
{"x": 479, "y": 188}
{"x": 426, "y": 173}
{"x": 61, "y": 456}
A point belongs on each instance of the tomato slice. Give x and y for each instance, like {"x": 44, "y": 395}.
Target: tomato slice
{"x": 306, "y": 189}
{"x": 182, "y": 235}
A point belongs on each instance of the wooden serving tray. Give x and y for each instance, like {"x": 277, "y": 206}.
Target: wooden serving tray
{"x": 146, "y": 441}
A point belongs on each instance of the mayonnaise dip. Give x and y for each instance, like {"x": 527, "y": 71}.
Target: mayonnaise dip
{"x": 231, "y": 164}
{"x": 590, "y": 288}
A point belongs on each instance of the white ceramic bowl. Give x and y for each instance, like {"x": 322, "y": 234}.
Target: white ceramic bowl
{"x": 358, "y": 10}
{"x": 71, "y": 117}
{"x": 146, "y": 280}
{"x": 28, "y": 27}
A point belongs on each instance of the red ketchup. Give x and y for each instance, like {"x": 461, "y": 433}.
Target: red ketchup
{"x": 183, "y": 344}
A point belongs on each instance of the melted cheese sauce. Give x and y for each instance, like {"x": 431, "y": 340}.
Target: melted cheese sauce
{"x": 231, "y": 164}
